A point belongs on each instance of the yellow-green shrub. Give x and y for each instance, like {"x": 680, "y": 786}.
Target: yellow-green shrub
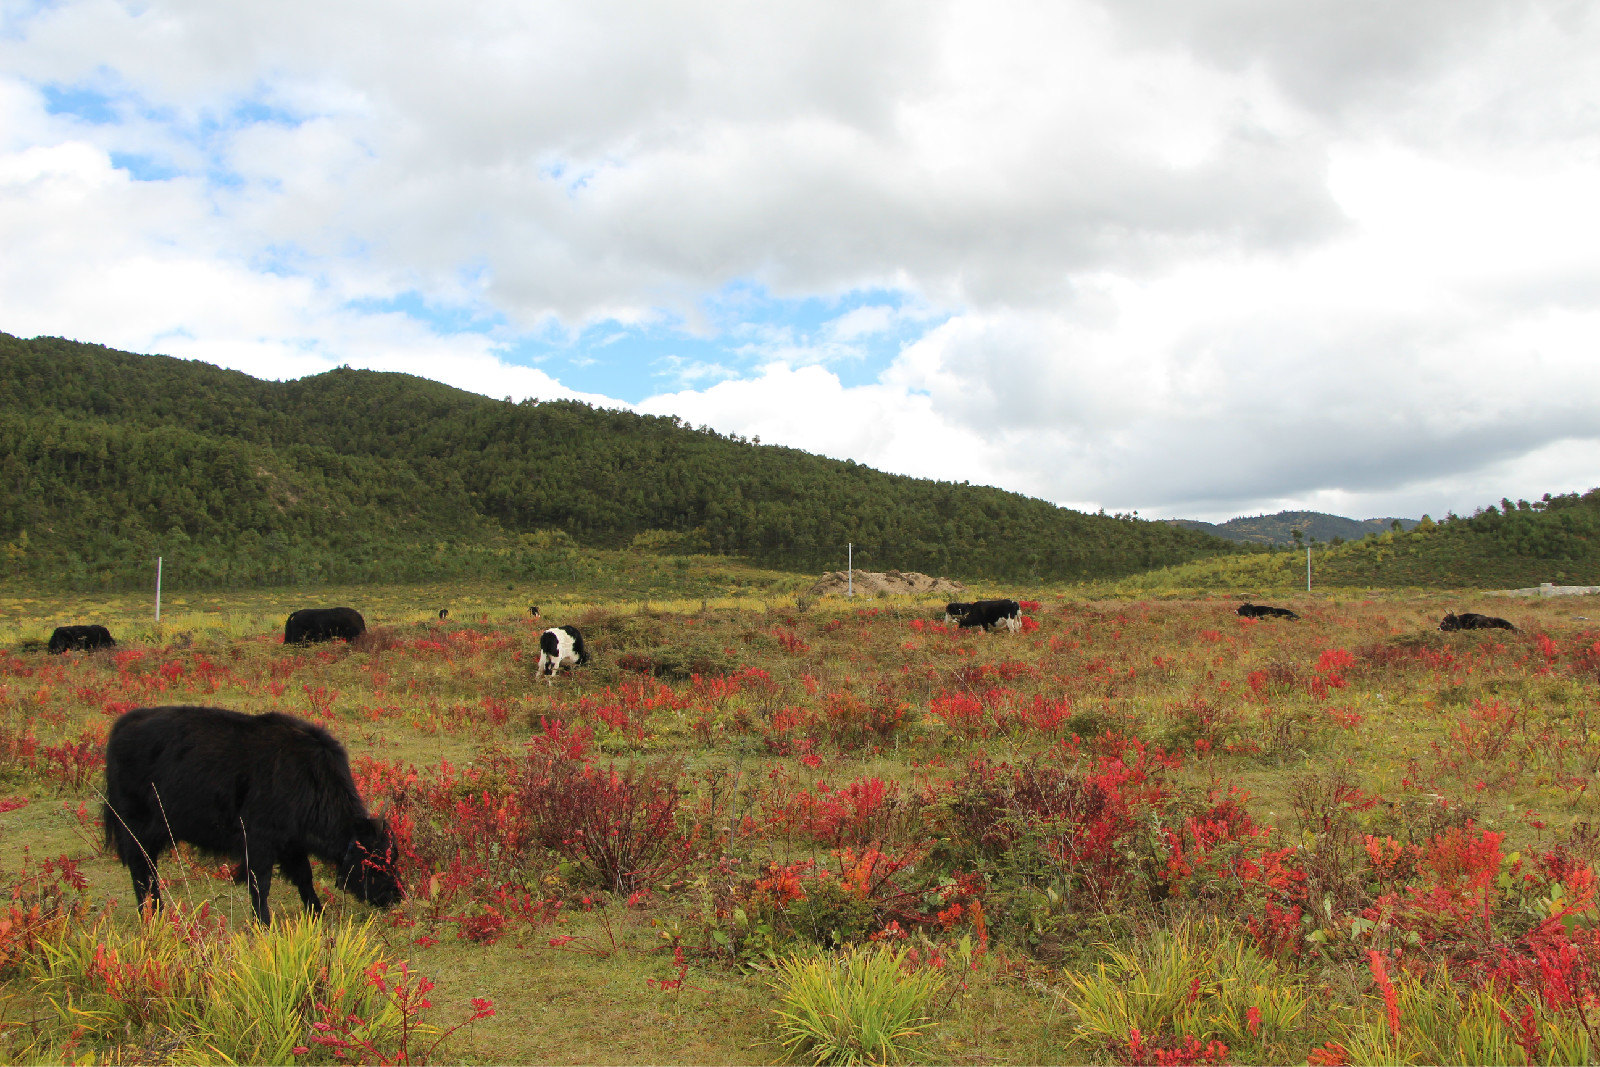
{"x": 1197, "y": 981}
{"x": 861, "y": 1007}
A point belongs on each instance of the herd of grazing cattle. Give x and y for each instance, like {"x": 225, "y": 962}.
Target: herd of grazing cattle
{"x": 273, "y": 790}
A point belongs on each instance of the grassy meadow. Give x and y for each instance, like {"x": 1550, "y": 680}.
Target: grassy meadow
{"x": 762, "y": 827}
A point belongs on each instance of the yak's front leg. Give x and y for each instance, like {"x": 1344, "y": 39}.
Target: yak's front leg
{"x": 297, "y": 868}
{"x": 258, "y": 875}
{"x": 146, "y": 882}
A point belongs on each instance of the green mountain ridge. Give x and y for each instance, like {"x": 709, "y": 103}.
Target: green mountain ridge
{"x": 1278, "y": 529}
{"x": 108, "y": 459}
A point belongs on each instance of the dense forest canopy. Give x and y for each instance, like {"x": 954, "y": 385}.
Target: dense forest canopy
{"x": 108, "y": 459}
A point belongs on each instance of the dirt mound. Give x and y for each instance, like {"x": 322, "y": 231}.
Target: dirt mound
{"x": 884, "y": 583}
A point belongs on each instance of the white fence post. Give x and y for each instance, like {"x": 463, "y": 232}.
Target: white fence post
{"x": 158, "y": 589}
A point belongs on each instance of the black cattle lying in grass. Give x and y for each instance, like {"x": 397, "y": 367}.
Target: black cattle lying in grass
{"x": 985, "y": 613}
{"x": 1262, "y": 611}
{"x": 323, "y": 624}
{"x": 561, "y": 646}
{"x": 1469, "y": 620}
{"x": 83, "y": 638}
{"x": 259, "y": 789}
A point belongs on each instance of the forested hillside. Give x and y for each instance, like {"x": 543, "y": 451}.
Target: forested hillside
{"x": 1515, "y": 544}
{"x": 1279, "y": 529}
{"x": 1554, "y": 539}
{"x": 108, "y": 459}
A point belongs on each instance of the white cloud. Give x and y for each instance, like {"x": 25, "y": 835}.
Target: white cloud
{"x": 861, "y": 322}
{"x": 1182, "y": 256}
{"x": 808, "y": 408}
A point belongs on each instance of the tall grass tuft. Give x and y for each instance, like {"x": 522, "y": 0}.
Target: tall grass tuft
{"x": 262, "y": 998}
{"x": 862, "y": 1007}
{"x": 184, "y": 990}
{"x": 1436, "y": 1020}
{"x": 1197, "y": 981}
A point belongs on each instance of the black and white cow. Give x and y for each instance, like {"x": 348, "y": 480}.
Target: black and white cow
{"x": 1263, "y": 611}
{"x": 984, "y": 613}
{"x": 84, "y": 638}
{"x": 1469, "y": 620}
{"x": 561, "y": 646}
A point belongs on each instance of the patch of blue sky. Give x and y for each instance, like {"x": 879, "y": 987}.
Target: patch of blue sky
{"x": 743, "y": 328}
{"x": 81, "y": 102}
{"x": 257, "y": 111}
{"x": 144, "y": 168}
{"x": 282, "y": 260}
{"x": 442, "y": 319}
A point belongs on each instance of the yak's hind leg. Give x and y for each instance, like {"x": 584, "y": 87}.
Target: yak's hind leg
{"x": 297, "y": 868}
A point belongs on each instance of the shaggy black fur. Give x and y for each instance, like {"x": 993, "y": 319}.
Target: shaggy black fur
{"x": 84, "y": 638}
{"x": 1262, "y": 611}
{"x": 259, "y": 789}
{"x": 323, "y": 624}
{"x": 1469, "y": 620}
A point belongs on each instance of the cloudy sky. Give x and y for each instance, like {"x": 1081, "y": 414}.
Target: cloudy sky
{"x": 1192, "y": 257}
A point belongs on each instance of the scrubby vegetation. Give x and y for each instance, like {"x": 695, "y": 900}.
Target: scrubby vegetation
{"x": 1136, "y": 832}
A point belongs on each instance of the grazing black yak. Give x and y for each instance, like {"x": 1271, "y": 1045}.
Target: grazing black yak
{"x": 260, "y": 789}
{"x": 561, "y": 646}
{"x": 985, "y": 613}
{"x": 84, "y": 638}
{"x": 1469, "y": 620}
{"x": 323, "y": 624}
{"x": 1262, "y": 611}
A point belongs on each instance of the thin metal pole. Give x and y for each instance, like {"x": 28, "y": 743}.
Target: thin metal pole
{"x": 158, "y": 589}
{"x": 850, "y": 569}
{"x": 1308, "y": 568}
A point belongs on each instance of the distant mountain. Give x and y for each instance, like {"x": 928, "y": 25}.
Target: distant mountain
{"x": 1278, "y": 529}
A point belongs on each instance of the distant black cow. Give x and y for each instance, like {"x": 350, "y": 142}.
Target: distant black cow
{"x": 444, "y": 613}
{"x": 323, "y": 624}
{"x": 259, "y": 789}
{"x": 1468, "y": 620}
{"x": 83, "y": 638}
{"x": 1262, "y": 611}
{"x": 985, "y": 613}
{"x": 533, "y": 610}
{"x": 561, "y": 646}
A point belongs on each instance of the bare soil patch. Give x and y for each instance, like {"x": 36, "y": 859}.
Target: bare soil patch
{"x": 885, "y": 583}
